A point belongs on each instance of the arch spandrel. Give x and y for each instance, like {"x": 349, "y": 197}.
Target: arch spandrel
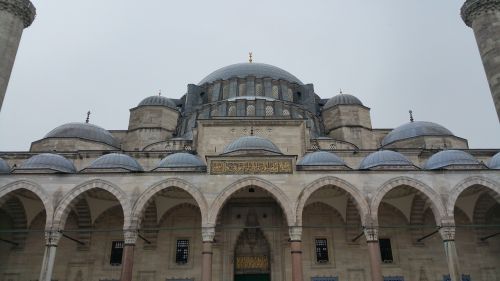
{"x": 492, "y": 186}
{"x": 228, "y": 191}
{"x": 64, "y": 206}
{"x": 37, "y": 190}
{"x": 437, "y": 205}
{"x": 141, "y": 203}
{"x": 355, "y": 193}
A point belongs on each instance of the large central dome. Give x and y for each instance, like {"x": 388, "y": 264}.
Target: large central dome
{"x": 242, "y": 70}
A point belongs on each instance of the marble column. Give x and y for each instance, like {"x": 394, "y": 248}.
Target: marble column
{"x": 296, "y": 251}
{"x": 208, "y": 235}
{"x": 51, "y": 241}
{"x": 130, "y": 238}
{"x": 483, "y": 16}
{"x": 448, "y": 235}
{"x": 371, "y": 234}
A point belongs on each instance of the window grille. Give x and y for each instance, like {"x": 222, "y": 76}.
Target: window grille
{"x": 242, "y": 89}
{"x": 251, "y": 110}
{"x": 286, "y": 112}
{"x": 321, "y": 250}
{"x": 116, "y": 253}
{"x": 225, "y": 91}
{"x": 386, "y": 250}
{"x": 231, "y": 111}
{"x": 214, "y": 112}
{"x": 269, "y": 110}
{"x": 289, "y": 95}
{"x": 332, "y": 146}
{"x": 259, "y": 90}
{"x": 275, "y": 92}
{"x": 182, "y": 251}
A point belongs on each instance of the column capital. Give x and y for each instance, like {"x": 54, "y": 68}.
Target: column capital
{"x": 23, "y": 9}
{"x": 295, "y": 233}
{"x": 474, "y": 8}
{"x": 447, "y": 232}
{"x": 52, "y": 237}
{"x": 371, "y": 234}
{"x": 208, "y": 234}
{"x": 130, "y": 236}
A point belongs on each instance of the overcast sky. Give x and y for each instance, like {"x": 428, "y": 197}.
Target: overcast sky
{"x": 106, "y": 56}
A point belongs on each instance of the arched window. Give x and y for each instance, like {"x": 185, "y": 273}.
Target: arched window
{"x": 251, "y": 110}
{"x": 275, "y": 92}
{"x": 259, "y": 90}
{"x": 231, "y": 111}
{"x": 242, "y": 91}
{"x": 286, "y": 112}
{"x": 269, "y": 110}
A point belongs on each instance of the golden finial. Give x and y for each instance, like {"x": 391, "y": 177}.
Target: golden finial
{"x": 159, "y": 93}
{"x": 250, "y": 57}
{"x": 411, "y": 115}
{"x": 88, "y": 117}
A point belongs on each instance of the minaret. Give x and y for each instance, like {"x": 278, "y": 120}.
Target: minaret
{"x": 15, "y": 16}
{"x": 484, "y": 18}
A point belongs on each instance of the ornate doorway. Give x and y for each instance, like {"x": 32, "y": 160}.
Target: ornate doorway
{"x": 252, "y": 253}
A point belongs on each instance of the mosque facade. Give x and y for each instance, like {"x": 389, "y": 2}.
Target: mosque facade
{"x": 251, "y": 175}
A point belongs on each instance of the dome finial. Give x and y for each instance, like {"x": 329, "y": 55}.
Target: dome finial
{"x": 411, "y": 115}
{"x": 340, "y": 92}
{"x": 88, "y": 117}
{"x": 159, "y": 92}
{"x": 250, "y": 57}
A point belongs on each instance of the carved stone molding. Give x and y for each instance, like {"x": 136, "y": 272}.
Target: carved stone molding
{"x": 21, "y": 8}
{"x": 130, "y": 236}
{"x": 473, "y": 8}
{"x": 208, "y": 234}
{"x": 295, "y": 233}
{"x": 52, "y": 238}
{"x": 447, "y": 233}
{"x": 371, "y": 234}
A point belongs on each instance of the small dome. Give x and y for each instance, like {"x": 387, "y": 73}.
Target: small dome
{"x": 158, "y": 100}
{"x": 447, "y": 158}
{"x": 415, "y": 129}
{"x": 495, "y": 162}
{"x": 4, "y": 167}
{"x": 342, "y": 99}
{"x": 252, "y": 143}
{"x": 321, "y": 158}
{"x": 242, "y": 70}
{"x": 49, "y": 161}
{"x": 116, "y": 161}
{"x": 180, "y": 160}
{"x": 84, "y": 131}
{"x": 384, "y": 158}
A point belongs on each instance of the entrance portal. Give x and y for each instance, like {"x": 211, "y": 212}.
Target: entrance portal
{"x": 252, "y": 253}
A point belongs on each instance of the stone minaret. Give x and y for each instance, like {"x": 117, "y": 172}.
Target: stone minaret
{"x": 484, "y": 18}
{"x": 15, "y": 16}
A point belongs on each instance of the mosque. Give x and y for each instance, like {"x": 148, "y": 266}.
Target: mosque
{"x": 251, "y": 175}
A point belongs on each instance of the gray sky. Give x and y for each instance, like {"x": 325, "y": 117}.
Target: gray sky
{"x": 107, "y": 56}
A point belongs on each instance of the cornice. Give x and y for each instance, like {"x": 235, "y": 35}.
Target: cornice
{"x": 24, "y": 9}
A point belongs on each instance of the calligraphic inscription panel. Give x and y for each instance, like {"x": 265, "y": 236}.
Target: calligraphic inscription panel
{"x": 253, "y": 263}
{"x": 246, "y": 167}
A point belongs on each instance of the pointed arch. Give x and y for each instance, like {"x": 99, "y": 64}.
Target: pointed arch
{"x": 64, "y": 207}
{"x": 228, "y": 191}
{"x": 360, "y": 201}
{"x": 493, "y": 188}
{"x": 146, "y": 196}
{"x": 37, "y": 190}
{"x": 430, "y": 195}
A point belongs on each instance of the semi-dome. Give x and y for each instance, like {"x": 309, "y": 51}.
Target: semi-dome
{"x": 321, "y": 158}
{"x": 415, "y": 129}
{"x": 242, "y": 70}
{"x": 181, "y": 160}
{"x": 252, "y": 143}
{"x": 384, "y": 158}
{"x": 342, "y": 99}
{"x": 84, "y": 131}
{"x": 4, "y": 167}
{"x": 448, "y": 158}
{"x": 158, "y": 101}
{"x": 495, "y": 162}
{"x": 116, "y": 161}
{"x": 48, "y": 161}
